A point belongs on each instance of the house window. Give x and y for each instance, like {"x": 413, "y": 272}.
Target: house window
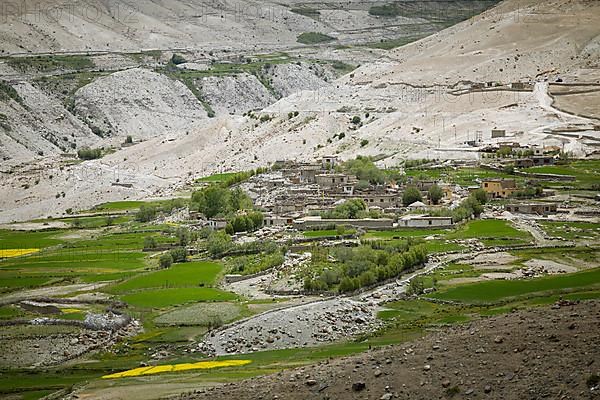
{"x": 430, "y": 222}
{"x": 485, "y": 185}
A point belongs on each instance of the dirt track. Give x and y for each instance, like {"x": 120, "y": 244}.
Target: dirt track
{"x": 544, "y": 353}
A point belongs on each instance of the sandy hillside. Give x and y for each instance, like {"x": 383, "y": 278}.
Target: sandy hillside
{"x": 418, "y": 103}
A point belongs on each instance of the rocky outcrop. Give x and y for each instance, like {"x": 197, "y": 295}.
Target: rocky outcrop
{"x": 137, "y": 102}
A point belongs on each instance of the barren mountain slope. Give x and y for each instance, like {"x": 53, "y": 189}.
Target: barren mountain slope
{"x": 128, "y": 25}
{"x": 418, "y": 106}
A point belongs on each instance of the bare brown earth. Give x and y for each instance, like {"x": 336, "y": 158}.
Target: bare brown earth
{"x": 546, "y": 353}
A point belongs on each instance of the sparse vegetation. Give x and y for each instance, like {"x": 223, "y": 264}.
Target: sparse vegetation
{"x": 314, "y": 38}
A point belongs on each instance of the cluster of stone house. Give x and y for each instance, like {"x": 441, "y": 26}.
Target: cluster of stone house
{"x": 294, "y": 194}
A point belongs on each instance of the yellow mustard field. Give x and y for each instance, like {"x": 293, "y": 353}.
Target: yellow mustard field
{"x": 176, "y": 368}
{"x": 8, "y": 253}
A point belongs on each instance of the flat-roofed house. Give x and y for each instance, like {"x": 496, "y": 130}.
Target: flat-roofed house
{"x": 499, "y": 188}
{"x": 424, "y": 221}
{"x": 532, "y": 208}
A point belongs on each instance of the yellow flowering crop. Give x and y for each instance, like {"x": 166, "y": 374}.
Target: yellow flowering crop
{"x": 70, "y": 310}
{"x": 8, "y": 253}
{"x": 177, "y": 368}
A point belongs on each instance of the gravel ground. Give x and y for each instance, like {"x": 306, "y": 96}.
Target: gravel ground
{"x": 549, "y": 352}
{"x": 300, "y": 326}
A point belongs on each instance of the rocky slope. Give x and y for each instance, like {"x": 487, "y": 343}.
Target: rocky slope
{"x": 418, "y": 102}
{"x": 137, "y": 102}
{"x": 123, "y": 25}
{"x": 550, "y": 352}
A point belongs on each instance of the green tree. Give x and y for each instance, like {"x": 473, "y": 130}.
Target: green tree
{"x": 183, "y": 236}
{"x": 165, "y": 260}
{"x": 435, "y": 194}
{"x": 179, "y": 254}
{"x": 211, "y": 201}
{"x": 480, "y": 195}
{"x": 146, "y": 213}
{"x": 410, "y": 195}
{"x": 218, "y": 243}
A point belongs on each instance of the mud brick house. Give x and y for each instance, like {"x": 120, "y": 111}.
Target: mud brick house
{"x": 499, "y": 188}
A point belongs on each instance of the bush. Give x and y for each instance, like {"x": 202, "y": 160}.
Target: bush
{"x": 179, "y": 254}
{"x": 416, "y": 286}
{"x": 146, "y": 213}
{"x": 218, "y": 243}
{"x": 86, "y": 153}
{"x": 129, "y": 139}
{"x": 314, "y": 37}
{"x": 356, "y": 120}
{"x": 435, "y": 194}
{"x": 410, "y": 195}
{"x": 150, "y": 242}
{"x": 364, "y": 142}
{"x": 165, "y": 260}
{"x": 178, "y": 59}
{"x": 351, "y": 209}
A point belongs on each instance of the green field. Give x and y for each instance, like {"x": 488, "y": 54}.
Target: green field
{"x": 160, "y": 298}
{"x": 29, "y": 240}
{"x": 571, "y": 230}
{"x": 497, "y": 291}
{"x": 215, "y": 178}
{"x": 404, "y": 233}
{"x": 488, "y": 228}
{"x": 327, "y": 233}
{"x": 586, "y": 173}
{"x": 191, "y": 274}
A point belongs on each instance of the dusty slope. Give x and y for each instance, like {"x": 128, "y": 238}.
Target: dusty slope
{"x": 411, "y": 112}
{"x": 116, "y": 25}
{"x": 543, "y": 353}
{"x": 137, "y": 102}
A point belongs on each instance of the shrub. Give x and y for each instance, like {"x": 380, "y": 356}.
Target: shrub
{"x": 128, "y": 139}
{"x": 179, "y": 254}
{"x": 356, "y": 120}
{"x": 150, "y": 242}
{"x": 165, "y": 260}
{"x": 146, "y": 213}
{"x": 218, "y": 243}
{"x": 364, "y": 142}
{"x": 178, "y": 59}
{"x": 314, "y": 37}
{"x": 435, "y": 194}
{"x": 410, "y": 195}
{"x": 86, "y": 153}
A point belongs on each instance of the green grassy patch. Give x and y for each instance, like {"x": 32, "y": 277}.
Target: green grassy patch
{"x": 160, "y": 298}
{"x": 50, "y": 63}
{"x": 488, "y": 228}
{"x": 201, "y": 314}
{"x": 571, "y": 230}
{"x": 314, "y": 38}
{"x": 404, "y": 233}
{"x": 327, "y": 233}
{"x": 29, "y": 240}
{"x": 496, "y": 291}
{"x": 192, "y": 274}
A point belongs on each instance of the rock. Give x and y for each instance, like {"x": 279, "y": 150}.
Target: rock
{"x": 386, "y": 396}
{"x": 487, "y": 389}
{"x": 445, "y": 383}
{"x": 311, "y": 382}
{"x": 498, "y": 339}
{"x": 378, "y": 373}
{"x": 358, "y": 386}
{"x": 427, "y": 367}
